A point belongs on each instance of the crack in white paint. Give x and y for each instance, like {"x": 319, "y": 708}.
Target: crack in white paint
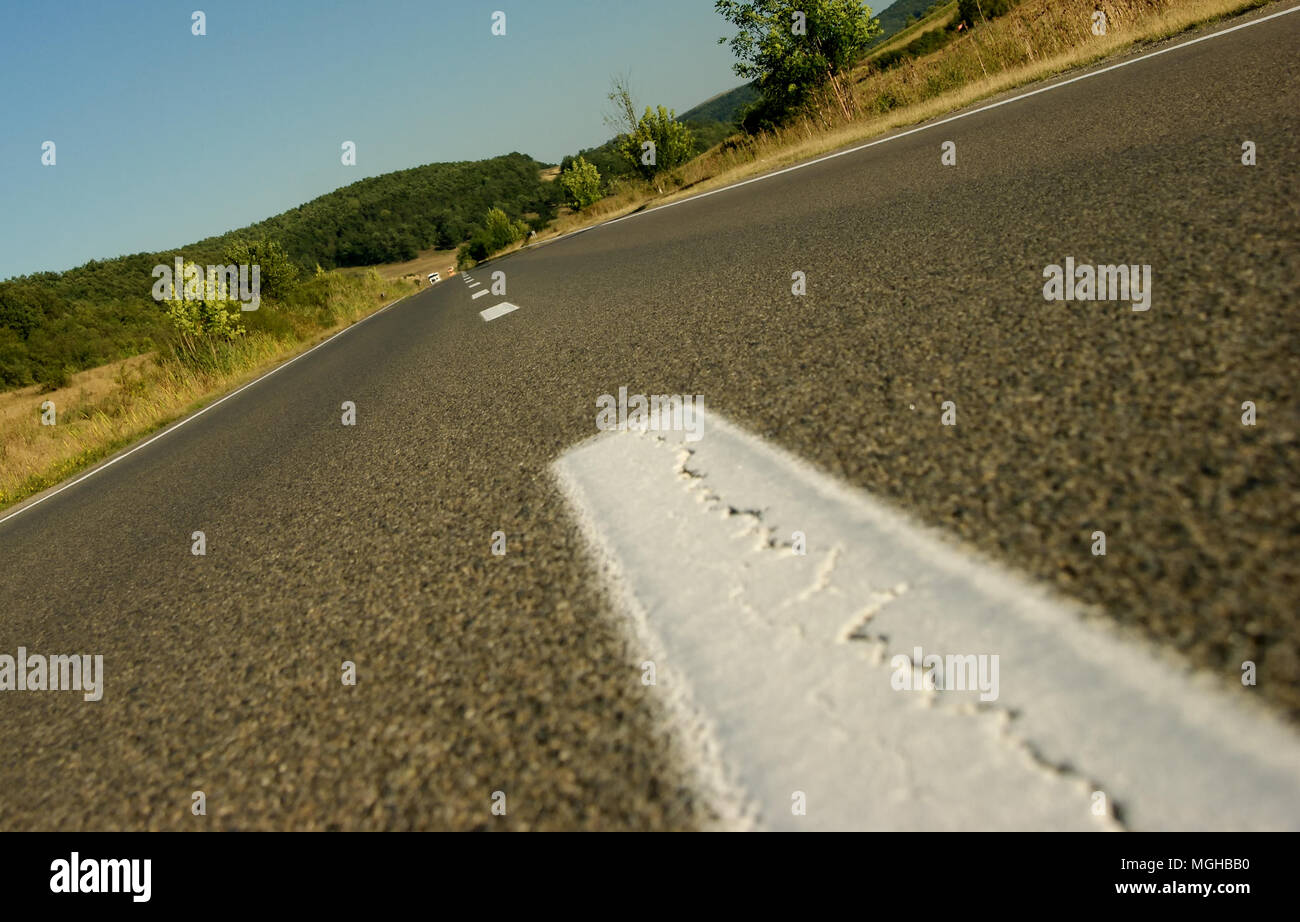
{"x": 780, "y": 663}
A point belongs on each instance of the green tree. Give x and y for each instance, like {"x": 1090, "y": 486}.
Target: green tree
{"x": 18, "y": 313}
{"x": 789, "y": 49}
{"x": 500, "y": 231}
{"x": 652, "y": 143}
{"x": 581, "y": 182}
{"x": 278, "y": 275}
{"x": 658, "y": 143}
{"x": 496, "y": 233}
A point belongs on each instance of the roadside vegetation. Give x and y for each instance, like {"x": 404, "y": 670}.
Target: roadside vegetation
{"x": 943, "y": 56}
{"x": 54, "y": 324}
{"x": 204, "y": 349}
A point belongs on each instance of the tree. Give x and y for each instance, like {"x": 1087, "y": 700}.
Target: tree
{"x": 277, "y": 274}
{"x": 17, "y": 312}
{"x": 652, "y": 143}
{"x": 790, "y": 50}
{"x": 500, "y": 231}
{"x": 659, "y": 142}
{"x": 496, "y": 233}
{"x": 622, "y": 119}
{"x": 581, "y": 182}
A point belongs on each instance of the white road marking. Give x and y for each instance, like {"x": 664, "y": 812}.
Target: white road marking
{"x": 479, "y": 294}
{"x": 473, "y": 284}
{"x": 498, "y": 310}
{"x": 925, "y": 127}
{"x": 780, "y": 665}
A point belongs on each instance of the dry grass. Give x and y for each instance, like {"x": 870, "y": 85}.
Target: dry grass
{"x": 1037, "y": 39}
{"x": 418, "y": 269}
{"x": 108, "y": 407}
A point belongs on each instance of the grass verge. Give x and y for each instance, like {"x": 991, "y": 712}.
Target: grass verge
{"x": 1036, "y": 40}
{"x": 105, "y": 409}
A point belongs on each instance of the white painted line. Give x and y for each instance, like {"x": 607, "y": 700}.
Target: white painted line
{"x": 927, "y": 126}
{"x": 782, "y": 665}
{"x": 479, "y": 294}
{"x": 498, "y": 310}
{"x": 473, "y": 284}
{"x": 31, "y": 504}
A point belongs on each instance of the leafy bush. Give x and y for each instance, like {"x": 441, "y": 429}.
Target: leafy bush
{"x": 496, "y": 233}
{"x": 673, "y": 142}
{"x": 277, "y": 273}
{"x": 500, "y": 231}
{"x": 53, "y": 377}
{"x": 201, "y": 324}
{"x": 581, "y": 182}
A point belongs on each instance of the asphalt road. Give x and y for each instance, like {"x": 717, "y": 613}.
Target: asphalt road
{"x": 479, "y": 673}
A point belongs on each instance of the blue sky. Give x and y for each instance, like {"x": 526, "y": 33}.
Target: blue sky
{"x": 164, "y": 138}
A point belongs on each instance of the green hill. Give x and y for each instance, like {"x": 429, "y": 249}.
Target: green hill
{"x": 721, "y": 108}
{"x": 901, "y": 13}
{"x": 55, "y": 322}
{"x": 390, "y": 218}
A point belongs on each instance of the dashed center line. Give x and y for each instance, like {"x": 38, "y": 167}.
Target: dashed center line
{"x": 498, "y": 310}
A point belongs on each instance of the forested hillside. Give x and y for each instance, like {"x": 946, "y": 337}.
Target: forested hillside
{"x": 902, "y": 13}
{"x": 52, "y": 323}
{"x": 390, "y": 218}
{"x": 724, "y": 107}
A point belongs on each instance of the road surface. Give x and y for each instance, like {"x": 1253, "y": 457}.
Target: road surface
{"x": 479, "y": 673}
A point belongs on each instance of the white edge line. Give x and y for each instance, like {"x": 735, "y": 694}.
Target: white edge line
{"x": 925, "y": 127}
{"x": 32, "y": 504}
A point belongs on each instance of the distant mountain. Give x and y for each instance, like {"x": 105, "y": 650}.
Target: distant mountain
{"x": 721, "y": 108}
{"x": 895, "y": 16}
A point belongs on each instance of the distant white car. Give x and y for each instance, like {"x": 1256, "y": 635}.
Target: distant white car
{"x": 434, "y": 277}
